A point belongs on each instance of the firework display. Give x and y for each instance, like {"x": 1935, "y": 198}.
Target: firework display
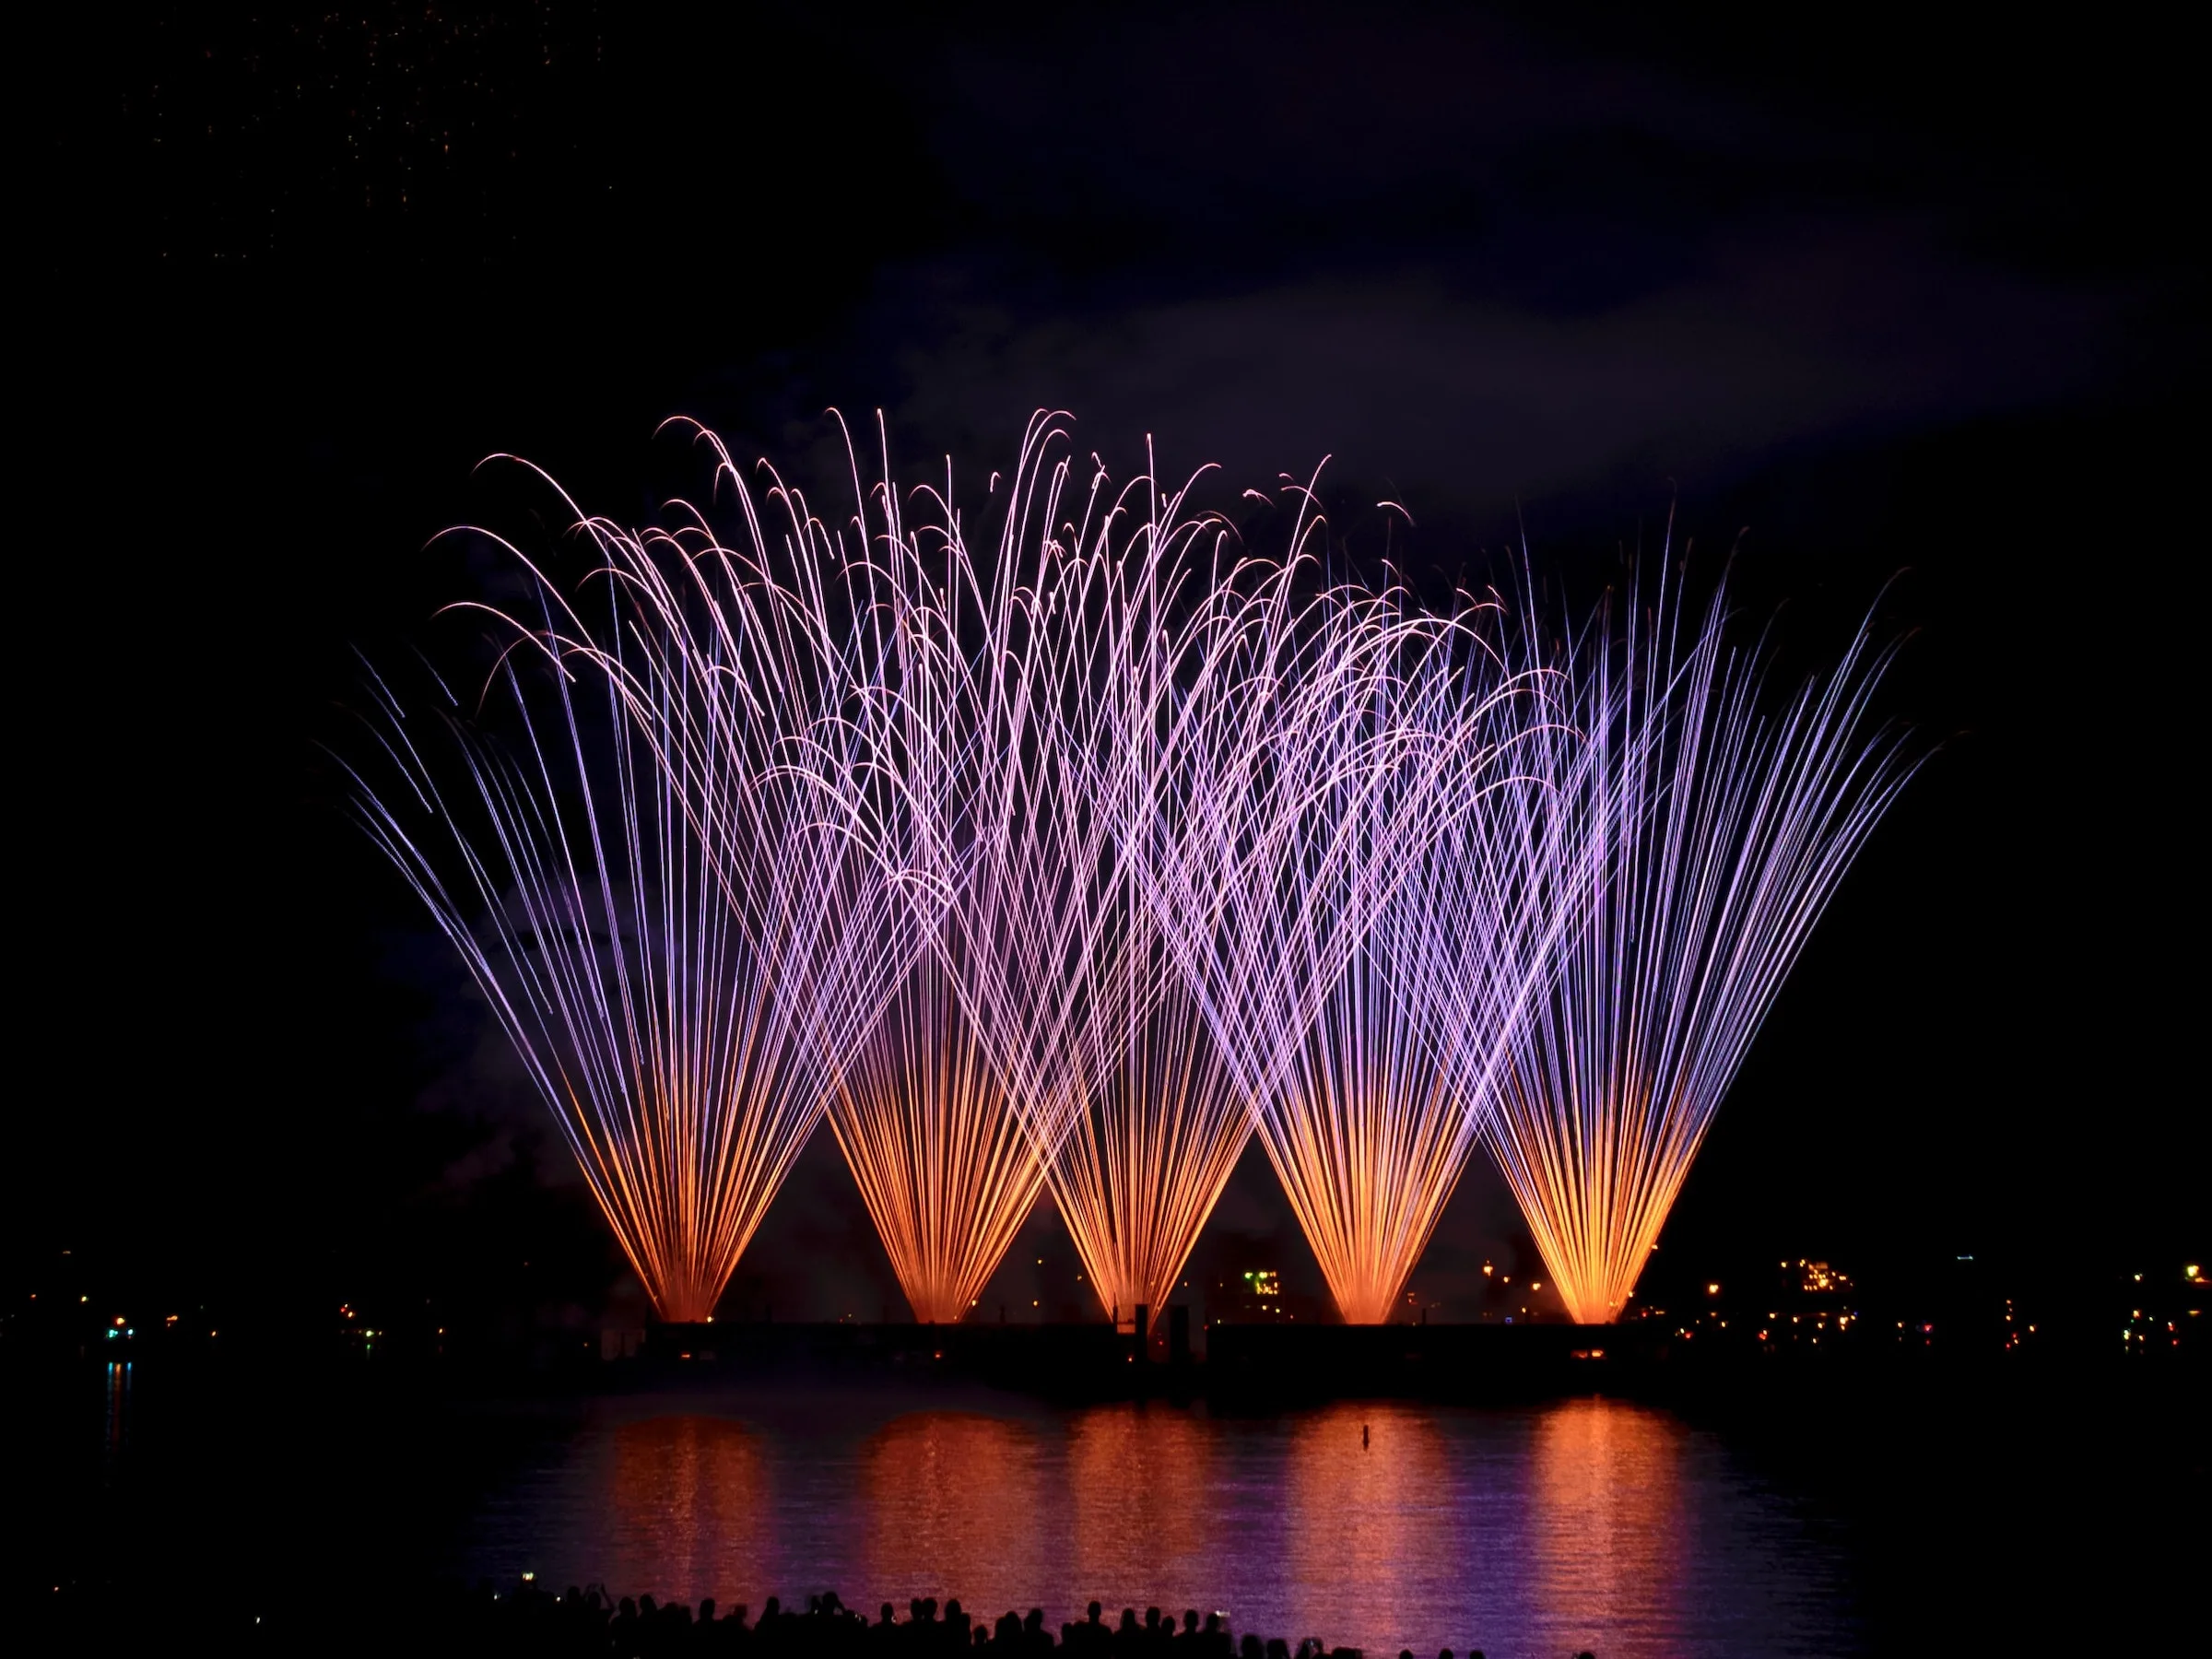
{"x": 655, "y": 880}
{"x": 1712, "y": 836}
{"x": 1373, "y": 769}
{"x": 927, "y": 1112}
{"x": 1074, "y": 864}
{"x": 1154, "y": 1123}
{"x": 1036, "y": 690}
{"x": 1373, "y": 1125}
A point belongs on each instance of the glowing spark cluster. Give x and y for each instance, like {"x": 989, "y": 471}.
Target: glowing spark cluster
{"x": 942, "y": 1161}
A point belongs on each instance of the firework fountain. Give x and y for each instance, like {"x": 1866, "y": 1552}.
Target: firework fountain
{"x": 1329, "y": 744}
{"x": 942, "y": 1161}
{"x": 1153, "y": 1124}
{"x": 1709, "y": 836}
{"x": 657, "y": 883}
{"x": 1392, "y": 1085}
{"x": 1039, "y": 689}
{"x": 927, "y": 1114}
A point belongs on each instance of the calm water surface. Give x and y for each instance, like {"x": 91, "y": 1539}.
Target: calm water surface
{"x": 1589, "y": 1523}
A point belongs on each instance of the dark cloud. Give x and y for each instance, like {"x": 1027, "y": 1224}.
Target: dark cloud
{"x": 1826, "y": 333}
{"x": 1479, "y": 263}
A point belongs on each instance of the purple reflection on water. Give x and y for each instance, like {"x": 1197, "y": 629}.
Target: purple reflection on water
{"x": 1587, "y": 1524}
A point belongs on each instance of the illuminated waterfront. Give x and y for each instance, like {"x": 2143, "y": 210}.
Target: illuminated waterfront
{"x": 1586, "y": 1523}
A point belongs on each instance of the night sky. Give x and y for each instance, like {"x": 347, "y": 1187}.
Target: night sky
{"x": 1851, "y": 300}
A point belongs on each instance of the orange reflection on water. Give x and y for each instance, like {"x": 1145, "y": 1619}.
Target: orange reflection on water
{"x": 1606, "y": 1524}
{"x": 1140, "y": 1481}
{"x": 688, "y": 1497}
{"x": 955, "y": 1505}
{"x": 1372, "y": 1534}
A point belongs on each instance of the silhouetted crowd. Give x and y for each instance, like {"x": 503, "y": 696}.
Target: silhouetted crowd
{"x": 535, "y": 1621}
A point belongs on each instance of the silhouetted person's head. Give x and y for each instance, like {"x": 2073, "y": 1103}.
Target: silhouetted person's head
{"x": 1251, "y": 1647}
{"x": 1095, "y": 1611}
{"x": 887, "y": 1612}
